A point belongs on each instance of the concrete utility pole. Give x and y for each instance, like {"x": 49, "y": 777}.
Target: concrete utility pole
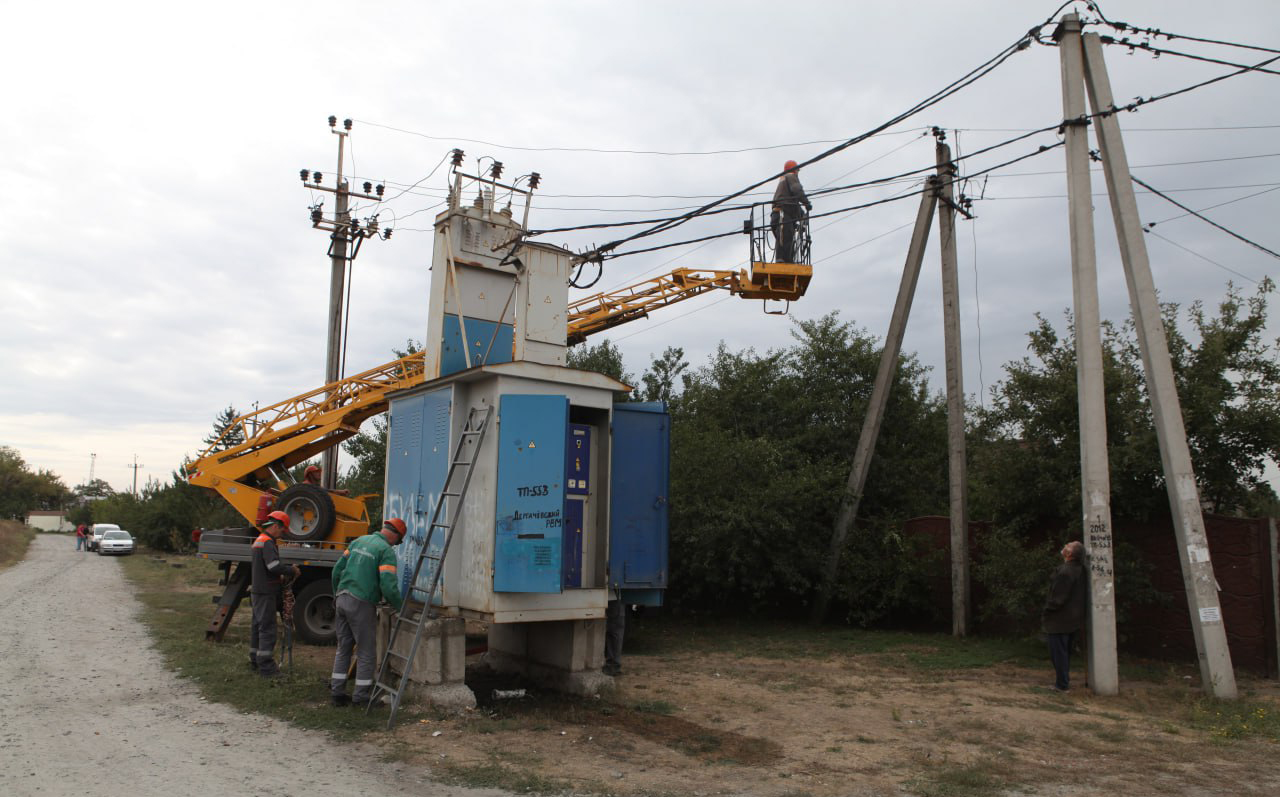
{"x": 135, "y": 467}
{"x": 957, "y": 468}
{"x": 1184, "y": 498}
{"x": 1095, "y": 476}
{"x": 343, "y": 232}
{"x": 879, "y": 397}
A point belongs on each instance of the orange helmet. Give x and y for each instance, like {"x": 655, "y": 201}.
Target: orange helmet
{"x": 277, "y": 517}
{"x": 306, "y": 474}
{"x": 396, "y": 525}
{"x": 790, "y": 166}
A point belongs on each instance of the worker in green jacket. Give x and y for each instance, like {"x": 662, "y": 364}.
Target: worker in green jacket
{"x": 365, "y": 573}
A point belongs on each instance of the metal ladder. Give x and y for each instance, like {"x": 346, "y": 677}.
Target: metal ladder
{"x": 460, "y": 469}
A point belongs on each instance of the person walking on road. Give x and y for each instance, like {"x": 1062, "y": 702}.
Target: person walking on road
{"x": 787, "y": 199}
{"x": 268, "y": 581}
{"x": 1063, "y": 613}
{"x": 80, "y": 537}
{"x": 366, "y": 571}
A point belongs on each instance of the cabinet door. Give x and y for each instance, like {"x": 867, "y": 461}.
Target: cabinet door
{"x": 530, "y": 493}
{"x": 638, "y": 487}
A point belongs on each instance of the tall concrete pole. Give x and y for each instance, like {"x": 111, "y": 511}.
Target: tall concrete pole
{"x": 879, "y": 398}
{"x": 1184, "y": 498}
{"x": 1095, "y": 475}
{"x": 337, "y": 279}
{"x": 957, "y": 467}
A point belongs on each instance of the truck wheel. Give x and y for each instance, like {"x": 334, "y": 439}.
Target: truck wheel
{"x": 310, "y": 511}
{"x": 313, "y": 613}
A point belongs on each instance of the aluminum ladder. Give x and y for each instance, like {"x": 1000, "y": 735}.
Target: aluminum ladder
{"x": 444, "y": 517}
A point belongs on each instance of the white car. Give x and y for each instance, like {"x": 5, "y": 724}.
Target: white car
{"x": 115, "y": 541}
{"x": 99, "y": 529}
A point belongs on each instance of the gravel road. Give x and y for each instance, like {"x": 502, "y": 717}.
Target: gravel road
{"x": 86, "y": 706}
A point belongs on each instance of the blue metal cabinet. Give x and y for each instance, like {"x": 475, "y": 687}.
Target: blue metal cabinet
{"x": 417, "y": 463}
{"x": 530, "y": 493}
{"x": 638, "y": 489}
{"x": 488, "y": 344}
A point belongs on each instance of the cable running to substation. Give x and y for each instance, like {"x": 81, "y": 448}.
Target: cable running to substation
{"x": 1202, "y": 257}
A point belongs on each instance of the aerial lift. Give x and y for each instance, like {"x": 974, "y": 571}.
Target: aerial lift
{"x": 253, "y": 476}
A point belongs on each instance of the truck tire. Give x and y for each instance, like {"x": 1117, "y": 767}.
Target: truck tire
{"x": 313, "y": 613}
{"x": 310, "y": 511}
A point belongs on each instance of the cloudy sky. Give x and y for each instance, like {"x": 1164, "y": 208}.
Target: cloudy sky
{"x": 158, "y": 262}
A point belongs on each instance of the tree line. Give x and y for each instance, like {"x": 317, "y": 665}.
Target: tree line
{"x": 762, "y": 444}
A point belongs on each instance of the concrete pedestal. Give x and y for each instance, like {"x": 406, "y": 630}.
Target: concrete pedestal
{"x": 564, "y": 655}
{"x": 439, "y": 665}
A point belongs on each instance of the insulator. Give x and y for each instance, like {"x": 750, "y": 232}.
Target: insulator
{"x": 317, "y": 177}
{"x": 496, "y": 171}
{"x": 304, "y": 174}
{"x": 534, "y": 179}
{"x": 457, "y": 157}
{"x": 379, "y": 188}
{"x": 368, "y": 186}
{"x": 386, "y": 234}
{"x": 333, "y": 121}
{"x": 346, "y": 124}
{"x": 316, "y": 216}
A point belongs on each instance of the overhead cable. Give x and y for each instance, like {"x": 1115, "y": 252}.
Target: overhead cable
{"x": 1205, "y": 219}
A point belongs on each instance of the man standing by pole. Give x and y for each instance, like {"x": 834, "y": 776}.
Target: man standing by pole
{"x": 366, "y": 571}
{"x": 1064, "y": 612}
{"x": 268, "y": 580}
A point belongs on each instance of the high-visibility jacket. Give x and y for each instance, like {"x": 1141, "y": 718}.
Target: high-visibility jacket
{"x": 268, "y": 570}
{"x": 367, "y": 569}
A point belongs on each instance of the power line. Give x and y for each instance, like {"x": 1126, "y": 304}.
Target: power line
{"x": 1205, "y": 219}
{"x": 1202, "y": 257}
{"x": 1125, "y": 27}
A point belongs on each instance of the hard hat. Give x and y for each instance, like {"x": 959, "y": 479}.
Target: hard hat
{"x": 790, "y": 166}
{"x": 396, "y": 525}
{"x": 277, "y": 517}
{"x": 310, "y": 470}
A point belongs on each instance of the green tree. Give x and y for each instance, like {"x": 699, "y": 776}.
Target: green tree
{"x": 761, "y": 449}
{"x": 660, "y": 381}
{"x": 22, "y": 489}
{"x": 226, "y": 433}
{"x": 94, "y": 489}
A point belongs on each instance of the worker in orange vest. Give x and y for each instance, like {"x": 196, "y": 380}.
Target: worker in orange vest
{"x": 268, "y": 581}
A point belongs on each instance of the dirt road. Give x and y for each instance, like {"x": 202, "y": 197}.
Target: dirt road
{"x": 86, "y": 706}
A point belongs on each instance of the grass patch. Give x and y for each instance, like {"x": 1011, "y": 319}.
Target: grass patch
{"x": 948, "y": 780}
{"x": 493, "y": 774}
{"x": 653, "y": 707}
{"x": 176, "y": 608}
{"x": 15, "y": 538}
{"x": 1227, "y": 720}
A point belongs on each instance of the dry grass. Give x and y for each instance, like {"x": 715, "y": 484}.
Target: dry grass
{"x": 15, "y": 537}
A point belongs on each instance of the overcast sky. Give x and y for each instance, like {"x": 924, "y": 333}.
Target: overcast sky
{"x": 158, "y": 262}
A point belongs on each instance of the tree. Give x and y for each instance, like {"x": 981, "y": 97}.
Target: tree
{"x": 94, "y": 489}
{"x": 603, "y": 358}
{"x": 22, "y": 490}
{"x": 1029, "y": 436}
{"x": 659, "y": 382}
{"x": 761, "y": 446}
{"x": 226, "y": 433}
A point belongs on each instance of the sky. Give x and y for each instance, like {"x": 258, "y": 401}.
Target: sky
{"x": 158, "y": 262}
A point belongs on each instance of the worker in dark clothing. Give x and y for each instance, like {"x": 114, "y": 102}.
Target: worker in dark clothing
{"x": 268, "y": 580}
{"x": 788, "y": 198}
{"x": 312, "y": 476}
{"x": 1063, "y": 613}
{"x": 366, "y": 572}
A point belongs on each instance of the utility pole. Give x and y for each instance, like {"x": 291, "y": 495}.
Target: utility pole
{"x": 957, "y": 470}
{"x": 1095, "y": 475}
{"x": 135, "y": 467}
{"x": 345, "y": 236}
{"x": 879, "y": 398}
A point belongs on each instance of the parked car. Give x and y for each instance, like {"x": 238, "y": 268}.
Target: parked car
{"x": 99, "y": 529}
{"x": 117, "y": 541}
